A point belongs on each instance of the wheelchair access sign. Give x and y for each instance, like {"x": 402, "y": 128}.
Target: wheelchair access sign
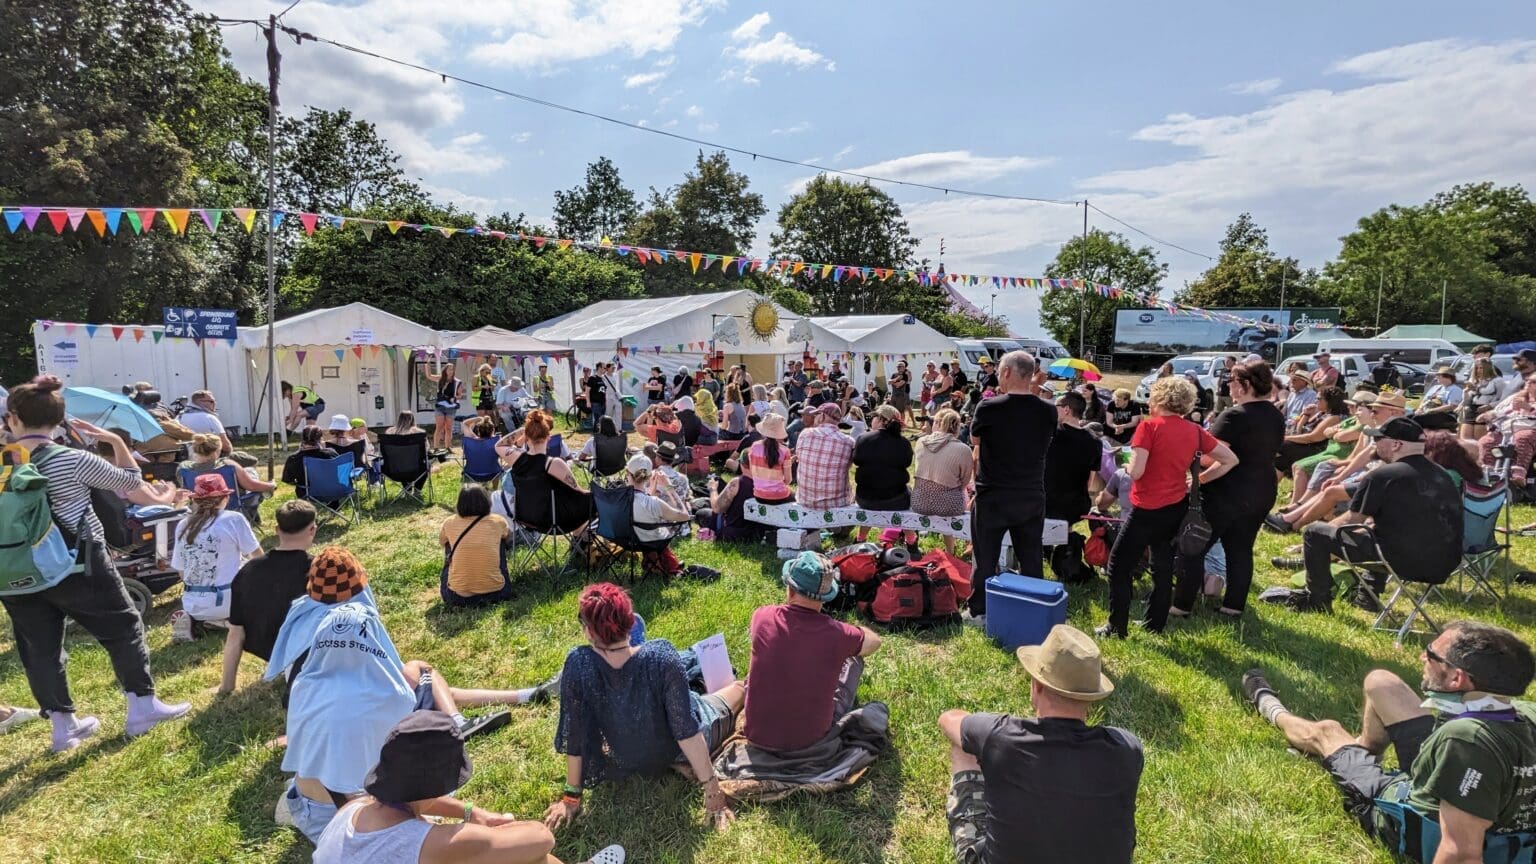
{"x": 185, "y": 322}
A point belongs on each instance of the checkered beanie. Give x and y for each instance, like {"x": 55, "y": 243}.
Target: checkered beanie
{"x": 336, "y": 576}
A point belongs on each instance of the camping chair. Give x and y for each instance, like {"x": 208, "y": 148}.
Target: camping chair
{"x": 247, "y": 503}
{"x": 539, "y": 535}
{"x": 615, "y": 504}
{"x": 331, "y": 485}
{"x": 404, "y": 461}
{"x": 1481, "y": 546}
{"x": 481, "y": 462}
{"x": 1419, "y": 838}
{"x": 1418, "y": 593}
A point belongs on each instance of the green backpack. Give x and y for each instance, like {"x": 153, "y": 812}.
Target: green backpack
{"x": 33, "y": 552}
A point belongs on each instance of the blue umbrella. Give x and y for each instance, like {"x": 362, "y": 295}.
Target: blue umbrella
{"x": 108, "y": 410}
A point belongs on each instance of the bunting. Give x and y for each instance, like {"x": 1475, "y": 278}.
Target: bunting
{"x": 106, "y": 220}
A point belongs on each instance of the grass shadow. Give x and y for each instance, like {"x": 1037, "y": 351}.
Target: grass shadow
{"x": 853, "y": 826}
{"x": 1139, "y": 705}
{"x": 247, "y": 718}
{"x": 64, "y": 765}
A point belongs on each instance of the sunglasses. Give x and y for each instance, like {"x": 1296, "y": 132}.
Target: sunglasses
{"x": 1429, "y": 653}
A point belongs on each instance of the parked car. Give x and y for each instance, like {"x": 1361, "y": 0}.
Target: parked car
{"x": 1462, "y": 365}
{"x": 1353, "y": 368}
{"x": 1205, "y": 365}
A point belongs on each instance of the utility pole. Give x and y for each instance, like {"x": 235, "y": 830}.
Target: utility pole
{"x": 1082, "y": 296}
{"x": 1443, "y": 283}
{"x": 1381, "y": 277}
{"x": 274, "y": 63}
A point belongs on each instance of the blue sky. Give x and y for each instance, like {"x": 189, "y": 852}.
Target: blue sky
{"x": 1175, "y": 119}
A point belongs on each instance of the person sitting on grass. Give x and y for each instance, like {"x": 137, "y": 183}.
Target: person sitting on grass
{"x": 725, "y": 510}
{"x": 212, "y": 544}
{"x": 628, "y": 710}
{"x": 410, "y": 793}
{"x": 474, "y": 542}
{"x": 1465, "y": 766}
{"x": 264, "y": 589}
{"x": 806, "y": 666}
{"x": 1048, "y": 789}
{"x": 348, "y": 686}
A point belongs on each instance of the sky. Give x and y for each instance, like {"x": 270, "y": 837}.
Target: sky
{"x": 1307, "y": 114}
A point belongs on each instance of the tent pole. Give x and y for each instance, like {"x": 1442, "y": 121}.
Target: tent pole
{"x": 273, "y": 59}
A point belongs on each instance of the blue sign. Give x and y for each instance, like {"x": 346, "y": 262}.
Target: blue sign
{"x": 185, "y": 322}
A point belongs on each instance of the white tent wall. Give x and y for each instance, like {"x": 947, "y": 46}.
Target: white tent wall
{"x": 883, "y": 339}
{"x": 339, "y": 381}
{"x": 175, "y": 366}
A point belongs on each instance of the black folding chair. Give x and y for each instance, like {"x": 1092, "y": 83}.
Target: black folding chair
{"x": 542, "y": 531}
{"x": 1395, "y": 589}
{"x": 405, "y": 462}
{"x": 616, "y": 529}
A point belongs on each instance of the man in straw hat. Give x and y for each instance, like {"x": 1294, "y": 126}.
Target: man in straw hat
{"x": 1048, "y": 789}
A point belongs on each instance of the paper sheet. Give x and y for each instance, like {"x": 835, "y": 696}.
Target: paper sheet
{"x": 714, "y": 662}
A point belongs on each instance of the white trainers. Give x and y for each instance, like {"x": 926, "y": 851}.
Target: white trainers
{"x": 608, "y": 855}
{"x": 181, "y": 626}
{"x": 18, "y": 717}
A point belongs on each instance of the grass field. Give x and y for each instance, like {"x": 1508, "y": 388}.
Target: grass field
{"x": 1219, "y": 784}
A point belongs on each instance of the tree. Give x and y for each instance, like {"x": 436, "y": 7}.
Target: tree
{"x": 834, "y": 221}
{"x": 710, "y": 211}
{"x": 112, "y": 102}
{"x": 336, "y": 164}
{"x": 601, "y": 207}
{"x": 1103, "y": 257}
{"x": 1478, "y": 241}
{"x": 1248, "y": 275}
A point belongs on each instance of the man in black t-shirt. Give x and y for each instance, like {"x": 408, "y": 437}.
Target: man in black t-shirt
{"x": 597, "y": 394}
{"x": 1048, "y": 789}
{"x": 1224, "y": 385}
{"x": 1121, "y": 416}
{"x": 1071, "y": 464}
{"x": 1011, "y": 434}
{"x": 1416, "y": 518}
{"x": 265, "y": 587}
{"x": 656, "y": 387}
{"x": 987, "y": 378}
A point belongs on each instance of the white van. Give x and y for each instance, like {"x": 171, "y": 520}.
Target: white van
{"x": 971, "y": 351}
{"x": 1045, "y": 350}
{"x": 1423, "y": 352}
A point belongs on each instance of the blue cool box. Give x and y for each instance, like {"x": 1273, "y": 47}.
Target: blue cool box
{"x": 1021, "y": 610}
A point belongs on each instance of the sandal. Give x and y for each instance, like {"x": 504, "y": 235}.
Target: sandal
{"x": 608, "y": 855}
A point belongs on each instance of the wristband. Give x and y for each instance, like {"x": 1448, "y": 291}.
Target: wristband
{"x": 573, "y": 790}
{"x": 570, "y": 800}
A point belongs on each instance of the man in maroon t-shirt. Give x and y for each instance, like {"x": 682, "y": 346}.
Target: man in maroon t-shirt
{"x": 805, "y": 665}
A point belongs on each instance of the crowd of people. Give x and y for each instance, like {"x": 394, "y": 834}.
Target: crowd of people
{"x": 375, "y": 742}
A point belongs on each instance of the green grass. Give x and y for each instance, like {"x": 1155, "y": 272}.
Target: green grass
{"x": 1219, "y": 784}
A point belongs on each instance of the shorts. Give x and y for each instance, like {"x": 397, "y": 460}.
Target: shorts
{"x": 967, "y": 814}
{"x": 309, "y": 816}
{"x": 1361, "y": 779}
{"x": 445, "y": 409}
{"x": 719, "y": 722}
{"x": 314, "y": 411}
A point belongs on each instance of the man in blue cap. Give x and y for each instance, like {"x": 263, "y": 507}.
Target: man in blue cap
{"x": 806, "y": 665}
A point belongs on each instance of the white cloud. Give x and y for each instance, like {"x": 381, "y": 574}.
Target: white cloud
{"x": 694, "y": 111}
{"x": 842, "y": 154}
{"x": 1258, "y": 87}
{"x": 561, "y": 32}
{"x": 522, "y": 137}
{"x": 467, "y": 140}
{"x": 709, "y": 127}
{"x": 782, "y": 48}
{"x": 796, "y": 129}
{"x": 749, "y": 29}
{"x": 644, "y": 79}
{"x": 951, "y": 166}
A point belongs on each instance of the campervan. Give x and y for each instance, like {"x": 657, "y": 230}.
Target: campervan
{"x": 1045, "y": 350}
{"x": 971, "y": 351}
{"x": 1424, "y": 352}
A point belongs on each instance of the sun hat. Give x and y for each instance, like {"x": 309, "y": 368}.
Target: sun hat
{"x": 666, "y": 451}
{"x": 336, "y": 576}
{"x": 423, "y": 757}
{"x": 683, "y": 403}
{"x": 339, "y": 423}
{"x": 1302, "y": 374}
{"x": 1067, "y": 664}
{"x": 1322, "y": 354}
{"x": 515, "y": 382}
{"x": 1391, "y": 399}
{"x": 1253, "y": 358}
{"x": 638, "y": 463}
{"x": 812, "y": 575}
{"x": 1397, "y": 429}
{"x": 209, "y": 486}
{"x": 358, "y": 423}
{"x": 772, "y": 426}
{"x": 1362, "y": 397}
{"x": 986, "y": 361}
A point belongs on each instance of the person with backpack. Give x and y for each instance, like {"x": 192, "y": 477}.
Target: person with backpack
{"x": 50, "y": 500}
{"x": 806, "y": 665}
{"x": 212, "y": 543}
{"x": 475, "y": 543}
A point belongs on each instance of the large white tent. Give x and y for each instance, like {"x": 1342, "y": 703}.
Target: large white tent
{"x": 357, "y": 357}
{"x": 880, "y": 339}
{"x": 671, "y": 332}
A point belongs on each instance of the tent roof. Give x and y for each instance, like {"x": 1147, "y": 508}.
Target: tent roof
{"x": 879, "y": 334}
{"x": 645, "y": 323}
{"x": 495, "y": 340}
{"x": 1452, "y": 333}
{"x": 334, "y": 326}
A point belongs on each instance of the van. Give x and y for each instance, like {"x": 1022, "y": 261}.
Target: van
{"x": 1423, "y": 352}
{"x": 1045, "y": 350}
{"x": 971, "y": 351}
{"x": 998, "y": 347}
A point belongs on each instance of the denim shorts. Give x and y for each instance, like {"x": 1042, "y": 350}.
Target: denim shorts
{"x": 309, "y": 816}
{"x": 445, "y": 409}
{"x": 314, "y": 411}
{"x": 719, "y": 722}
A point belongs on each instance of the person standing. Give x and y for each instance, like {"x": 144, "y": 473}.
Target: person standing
{"x": 1010, "y": 436}
{"x": 612, "y": 379}
{"x": 1224, "y": 384}
{"x": 544, "y": 389}
{"x": 682, "y": 383}
{"x": 1236, "y": 504}
{"x": 485, "y": 391}
{"x": 597, "y": 394}
{"x": 1326, "y": 374}
{"x": 1072, "y": 462}
{"x": 901, "y": 392}
{"x": 794, "y": 382}
{"x": 655, "y": 387}
{"x": 450, "y": 390}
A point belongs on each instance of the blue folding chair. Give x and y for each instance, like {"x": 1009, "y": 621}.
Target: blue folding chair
{"x": 331, "y": 485}
{"x": 481, "y": 463}
{"x": 1480, "y": 545}
{"x": 248, "y": 503}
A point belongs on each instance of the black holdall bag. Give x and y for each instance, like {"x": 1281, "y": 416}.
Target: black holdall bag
{"x": 1195, "y": 531}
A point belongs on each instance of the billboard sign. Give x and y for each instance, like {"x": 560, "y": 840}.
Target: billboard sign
{"x": 1154, "y": 331}
{"x": 184, "y": 322}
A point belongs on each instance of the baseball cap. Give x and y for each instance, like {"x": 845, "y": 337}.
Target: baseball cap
{"x": 1526, "y": 354}
{"x": 638, "y": 463}
{"x": 1397, "y": 429}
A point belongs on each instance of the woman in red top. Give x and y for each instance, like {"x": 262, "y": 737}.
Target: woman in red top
{"x": 1162, "y": 450}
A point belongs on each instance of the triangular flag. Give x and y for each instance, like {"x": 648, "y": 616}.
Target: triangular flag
{"x": 13, "y": 219}
{"x": 826, "y": 270}
{"x": 446, "y": 232}
{"x": 134, "y": 221}
{"x": 725, "y": 262}
{"x": 795, "y": 270}
{"x": 138, "y": 334}
{"x": 694, "y": 259}
{"x": 117, "y": 333}
{"x": 158, "y": 334}
{"x": 373, "y": 350}
{"x": 90, "y": 330}
{"x": 29, "y": 216}
{"x": 211, "y": 218}
{"x": 58, "y": 218}
{"x": 358, "y": 351}
{"x": 147, "y": 218}
{"x": 301, "y": 354}
{"x": 113, "y": 216}
{"x": 308, "y": 221}
{"x": 246, "y": 217}
{"x": 367, "y": 226}
{"x": 98, "y": 221}
{"x": 389, "y": 350}
{"x": 75, "y": 214}
{"x": 565, "y": 244}
{"x": 341, "y": 354}
{"x": 394, "y": 225}
{"x": 538, "y": 242}
{"x": 69, "y": 329}
{"x": 178, "y": 218}
{"x": 337, "y": 221}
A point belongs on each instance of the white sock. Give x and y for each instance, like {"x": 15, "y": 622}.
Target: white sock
{"x": 524, "y": 695}
{"x": 459, "y": 720}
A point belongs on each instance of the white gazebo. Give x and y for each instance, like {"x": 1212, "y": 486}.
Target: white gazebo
{"x": 880, "y": 339}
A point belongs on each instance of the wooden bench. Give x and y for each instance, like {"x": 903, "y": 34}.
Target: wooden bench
{"x": 801, "y": 527}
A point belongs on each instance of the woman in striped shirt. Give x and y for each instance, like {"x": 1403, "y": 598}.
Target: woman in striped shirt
{"x": 94, "y": 597}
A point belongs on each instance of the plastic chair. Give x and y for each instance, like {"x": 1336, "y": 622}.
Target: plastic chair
{"x": 481, "y": 463}
{"x": 404, "y": 461}
{"x": 331, "y": 485}
{"x": 1480, "y": 545}
{"x": 616, "y": 526}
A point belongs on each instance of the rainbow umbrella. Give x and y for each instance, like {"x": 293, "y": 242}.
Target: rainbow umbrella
{"x": 1069, "y": 367}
